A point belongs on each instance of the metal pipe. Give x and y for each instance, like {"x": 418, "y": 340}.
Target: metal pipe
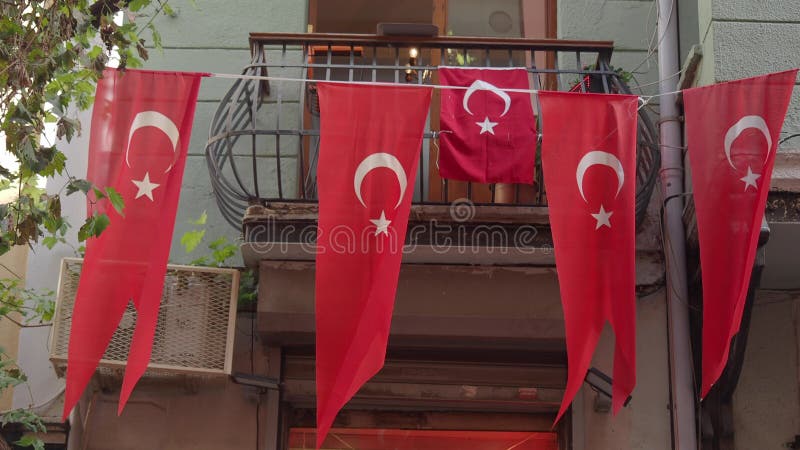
{"x": 682, "y": 390}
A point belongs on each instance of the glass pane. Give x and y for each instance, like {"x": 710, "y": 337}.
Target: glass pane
{"x": 396, "y": 439}
{"x": 363, "y": 16}
{"x": 497, "y": 18}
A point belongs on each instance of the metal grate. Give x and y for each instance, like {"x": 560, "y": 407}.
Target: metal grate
{"x": 264, "y": 137}
{"x": 194, "y": 334}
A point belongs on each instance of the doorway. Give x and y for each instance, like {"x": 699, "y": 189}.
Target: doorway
{"x": 403, "y": 439}
{"x": 530, "y": 19}
{"x": 419, "y": 402}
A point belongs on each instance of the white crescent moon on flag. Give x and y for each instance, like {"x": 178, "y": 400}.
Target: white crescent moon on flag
{"x": 480, "y": 85}
{"x": 157, "y": 120}
{"x": 744, "y": 123}
{"x": 375, "y": 161}
{"x": 596, "y": 157}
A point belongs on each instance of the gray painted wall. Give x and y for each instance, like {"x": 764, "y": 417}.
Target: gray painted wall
{"x": 645, "y": 423}
{"x": 212, "y": 36}
{"x": 630, "y": 24}
{"x": 766, "y": 411}
{"x": 743, "y": 38}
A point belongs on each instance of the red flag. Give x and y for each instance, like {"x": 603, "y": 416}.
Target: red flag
{"x": 371, "y": 139}
{"x": 592, "y": 214}
{"x": 141, "y": 125}
{"x": 487, "y": 135}
{"x": 732, "y": 132}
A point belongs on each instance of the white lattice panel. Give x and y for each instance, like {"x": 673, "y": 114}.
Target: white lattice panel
{"x": 194, "y": 334}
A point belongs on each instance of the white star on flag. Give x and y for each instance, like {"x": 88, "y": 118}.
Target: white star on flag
{"x": 750, "y": 179}
{"x": 486, "y": 126}
{"x": 602, "y": 218}
{"x": 382, "y": 224}
{"x": 145, "y": 187}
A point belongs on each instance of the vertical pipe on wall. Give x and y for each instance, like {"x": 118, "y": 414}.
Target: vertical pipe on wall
{"x": 672, "y": 178}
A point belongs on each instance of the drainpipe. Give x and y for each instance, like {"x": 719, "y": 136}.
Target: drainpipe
{"x": 682, "y": 390}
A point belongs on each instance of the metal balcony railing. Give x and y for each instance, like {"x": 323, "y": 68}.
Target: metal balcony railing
{"x": 264, "y": 137}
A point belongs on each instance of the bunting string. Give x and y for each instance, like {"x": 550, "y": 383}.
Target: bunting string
{"x": 644, "y": 100}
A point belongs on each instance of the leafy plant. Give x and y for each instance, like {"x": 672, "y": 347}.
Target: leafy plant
{"x": 623, "y": 75}
{"x": 25, "y": 308}
{"x": 51, "y": 54}
{"x": 221, "y": 251}
{"x": 29, "y": 422}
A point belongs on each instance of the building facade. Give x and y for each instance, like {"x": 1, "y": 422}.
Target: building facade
{"x": 477, "y": 346}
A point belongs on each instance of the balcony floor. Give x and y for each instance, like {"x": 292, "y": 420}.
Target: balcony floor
{"x": 437, "y": 234}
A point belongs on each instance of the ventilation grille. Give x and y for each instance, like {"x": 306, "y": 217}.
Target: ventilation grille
{"x": 194, "y": 334}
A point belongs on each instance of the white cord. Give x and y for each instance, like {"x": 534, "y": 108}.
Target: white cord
{"x": 363, "y": 83}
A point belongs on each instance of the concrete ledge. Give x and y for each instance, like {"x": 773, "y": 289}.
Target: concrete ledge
{"x": 786, "y": 174}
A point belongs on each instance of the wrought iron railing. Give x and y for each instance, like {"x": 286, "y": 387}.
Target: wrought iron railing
{"x": 264, "y": 137}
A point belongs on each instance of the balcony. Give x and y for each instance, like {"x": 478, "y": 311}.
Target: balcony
{"x": 264, "y": 141}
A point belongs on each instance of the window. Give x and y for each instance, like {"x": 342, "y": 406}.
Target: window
{"x": 497, "y": 18}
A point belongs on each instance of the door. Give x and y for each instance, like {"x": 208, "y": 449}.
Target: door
{"x": 533, "y": 19}
{"x": 421, "y": 402}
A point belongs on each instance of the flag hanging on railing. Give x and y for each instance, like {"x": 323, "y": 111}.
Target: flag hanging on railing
{"x": 592, "y": 216}
{"x": 141, "y": 124}
{"x": 732, "y": 133}
{"x": 370, "y": 142}
{"x": 488, "y": 135}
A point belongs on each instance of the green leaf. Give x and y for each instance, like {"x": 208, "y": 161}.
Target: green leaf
{"x": 56, "y": 165}
{"x": 95, "y": 52}
{"x": 76, "y": 185}
{"x": 136, "y": 5}
{"x": 156, "y": 36}
{"x": 169, "y": 11}
{"x": 191, "y": 239}
{"x": 201, "y": 261}
{"x": 93, "y": 226}
{"x": 116, "y": 200}
{"x": 50, "y": 242}
{"x": 30, "y": 440}
{"x": 200, "y": 220}
{"x": 98, "y": 193}
{"x": 46, "y": 310}
{"x": 223, "y": 250}
{"x": 9, "y": 379}
{"x": 28, "y": 419}
{"x": 217, "y": 243}
{"x": 7, "y": 174}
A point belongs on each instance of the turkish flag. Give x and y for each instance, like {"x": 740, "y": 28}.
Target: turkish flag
{"x": 140, "y": 131}
{"x": 371, "y": 137}
{"x": 589, "y": 165}
{"x": 732, "y": 133}
{"x": 488, "y": 135}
